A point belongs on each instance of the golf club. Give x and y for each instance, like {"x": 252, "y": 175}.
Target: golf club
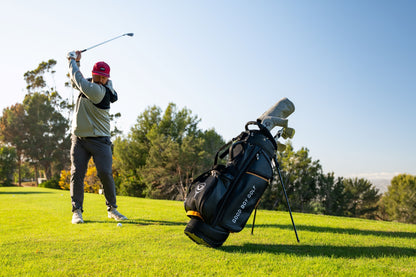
{"x": 126, "y": 34}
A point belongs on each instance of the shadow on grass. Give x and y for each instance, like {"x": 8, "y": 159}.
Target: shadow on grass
{"x": 24, "y": 192}
{"x": 324, "y": 250}
{"x": 349, "y": 231}
{"x": 139, "y": 222}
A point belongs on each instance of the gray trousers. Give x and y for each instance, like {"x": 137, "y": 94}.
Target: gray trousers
{"x": 81, "y": 151}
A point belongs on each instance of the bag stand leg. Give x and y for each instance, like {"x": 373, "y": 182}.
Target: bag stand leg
{"x": 254, "y": 220}
{"x": 254, "y": 216}
{"x": 287, "y": 199}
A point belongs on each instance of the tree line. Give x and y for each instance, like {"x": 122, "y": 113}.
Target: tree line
{"x": 165, "y": 150}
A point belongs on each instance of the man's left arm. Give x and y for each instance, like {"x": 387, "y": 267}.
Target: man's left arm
{"x": 113, "y": 95}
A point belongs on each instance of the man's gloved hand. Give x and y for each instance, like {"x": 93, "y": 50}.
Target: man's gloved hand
{"x": 71, "y": 55}
{"x": 76, "y": 55}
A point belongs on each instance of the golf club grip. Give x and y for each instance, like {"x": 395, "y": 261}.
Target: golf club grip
{"x": 82, "y": 51}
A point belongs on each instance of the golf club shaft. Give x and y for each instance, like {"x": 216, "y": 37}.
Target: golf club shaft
{"x": 128, "y": 34}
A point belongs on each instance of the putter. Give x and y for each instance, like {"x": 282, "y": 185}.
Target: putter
{"x": 126, "y": 34}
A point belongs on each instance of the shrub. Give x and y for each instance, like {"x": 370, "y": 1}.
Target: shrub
{"x": 64, "y": 181}
{"x": 51, "y": 184}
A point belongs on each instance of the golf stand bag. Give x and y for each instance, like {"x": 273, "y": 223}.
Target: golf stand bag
{"x": 221, "y": 200}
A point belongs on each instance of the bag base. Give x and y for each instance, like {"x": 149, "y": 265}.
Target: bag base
{"x": 202, "y": 233}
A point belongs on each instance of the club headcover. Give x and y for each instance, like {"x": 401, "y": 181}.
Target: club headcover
{"x": 282, "y": 109}
{"x": 277, "y": 114}
{"x": 271, "y": 121}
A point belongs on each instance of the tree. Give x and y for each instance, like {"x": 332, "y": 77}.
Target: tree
{"x": 212, "y": 142}
{"x": 36, "y": 128}
{"x": 7, "y": 165}
{"x": 400, "y": 199}
{"x": 12, "y": 132}
{"x": 130, "y": 153}
{"x": 171, "y": 166}
{"x": 174, "y": 154}
{"x": 361, "y": 198}
{"x": 46, "y": 133}
{"x": 165, "y": 152}
{"x": 35, "y": 78}
{"x": 301, "y": 177}
{"x": 332, "y": 195}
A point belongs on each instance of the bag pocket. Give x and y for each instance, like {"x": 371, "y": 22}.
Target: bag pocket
{"x": 246, "y": 196}
{"x": 205, "y": 195}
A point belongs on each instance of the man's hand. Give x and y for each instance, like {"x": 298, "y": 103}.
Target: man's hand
{"x": 74, "y": 55}
{"x": 71, "y": 55}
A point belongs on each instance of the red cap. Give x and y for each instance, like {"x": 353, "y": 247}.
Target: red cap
{"x": 101, "y": 68}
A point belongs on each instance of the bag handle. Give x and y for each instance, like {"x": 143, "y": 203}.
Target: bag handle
{"x": 263, "y": 130}
{"x": 218, "y": 152}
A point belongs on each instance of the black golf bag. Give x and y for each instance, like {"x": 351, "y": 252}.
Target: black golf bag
{"x": 222, "y": 199}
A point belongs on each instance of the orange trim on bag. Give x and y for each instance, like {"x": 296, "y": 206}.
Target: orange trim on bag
{"x": 194, "y": 213}
{"x": 261, "y": 177}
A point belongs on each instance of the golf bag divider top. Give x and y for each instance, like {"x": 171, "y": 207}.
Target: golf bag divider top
{"x": 222, "y": 199}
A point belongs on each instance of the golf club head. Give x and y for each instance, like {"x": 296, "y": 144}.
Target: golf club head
{"x": 129, "y": 34}
{"x": 288, "y": 133}
{"x": 280, "y": 146}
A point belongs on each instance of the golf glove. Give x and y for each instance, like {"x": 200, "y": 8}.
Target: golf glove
{"x": 71, "y": 55}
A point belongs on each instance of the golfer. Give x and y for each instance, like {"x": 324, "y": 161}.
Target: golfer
{"x": 91, "y": 134}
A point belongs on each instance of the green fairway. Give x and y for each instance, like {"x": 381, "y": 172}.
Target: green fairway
{"x": 38, "y": 239}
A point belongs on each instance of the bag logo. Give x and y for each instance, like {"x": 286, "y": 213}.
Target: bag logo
{"x": 200, "y": 187}
{"x": 244, "y": 204}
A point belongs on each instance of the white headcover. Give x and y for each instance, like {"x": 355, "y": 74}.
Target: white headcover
{"x": 277, "y": 114}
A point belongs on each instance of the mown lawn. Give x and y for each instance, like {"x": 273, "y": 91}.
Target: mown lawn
{"x": 38, "y": 239}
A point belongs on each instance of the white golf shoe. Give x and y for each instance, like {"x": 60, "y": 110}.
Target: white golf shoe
{"x": 113, "y": 213}
{"x": 77, "y": 217}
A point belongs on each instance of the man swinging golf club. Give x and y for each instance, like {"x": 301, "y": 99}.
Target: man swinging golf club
{"x": 91, "y": 134}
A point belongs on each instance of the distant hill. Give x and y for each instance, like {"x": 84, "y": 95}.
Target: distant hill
{"x": 381, "y": 184}
{"x": 380, "y": 180}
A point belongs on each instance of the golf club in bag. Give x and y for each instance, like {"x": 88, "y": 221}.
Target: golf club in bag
{"x": 221, "y": 200}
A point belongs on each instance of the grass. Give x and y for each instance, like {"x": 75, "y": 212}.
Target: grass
{"x": 38, "y": 239}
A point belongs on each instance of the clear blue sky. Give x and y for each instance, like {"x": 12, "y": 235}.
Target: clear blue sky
{"x": 349, "y": 67}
